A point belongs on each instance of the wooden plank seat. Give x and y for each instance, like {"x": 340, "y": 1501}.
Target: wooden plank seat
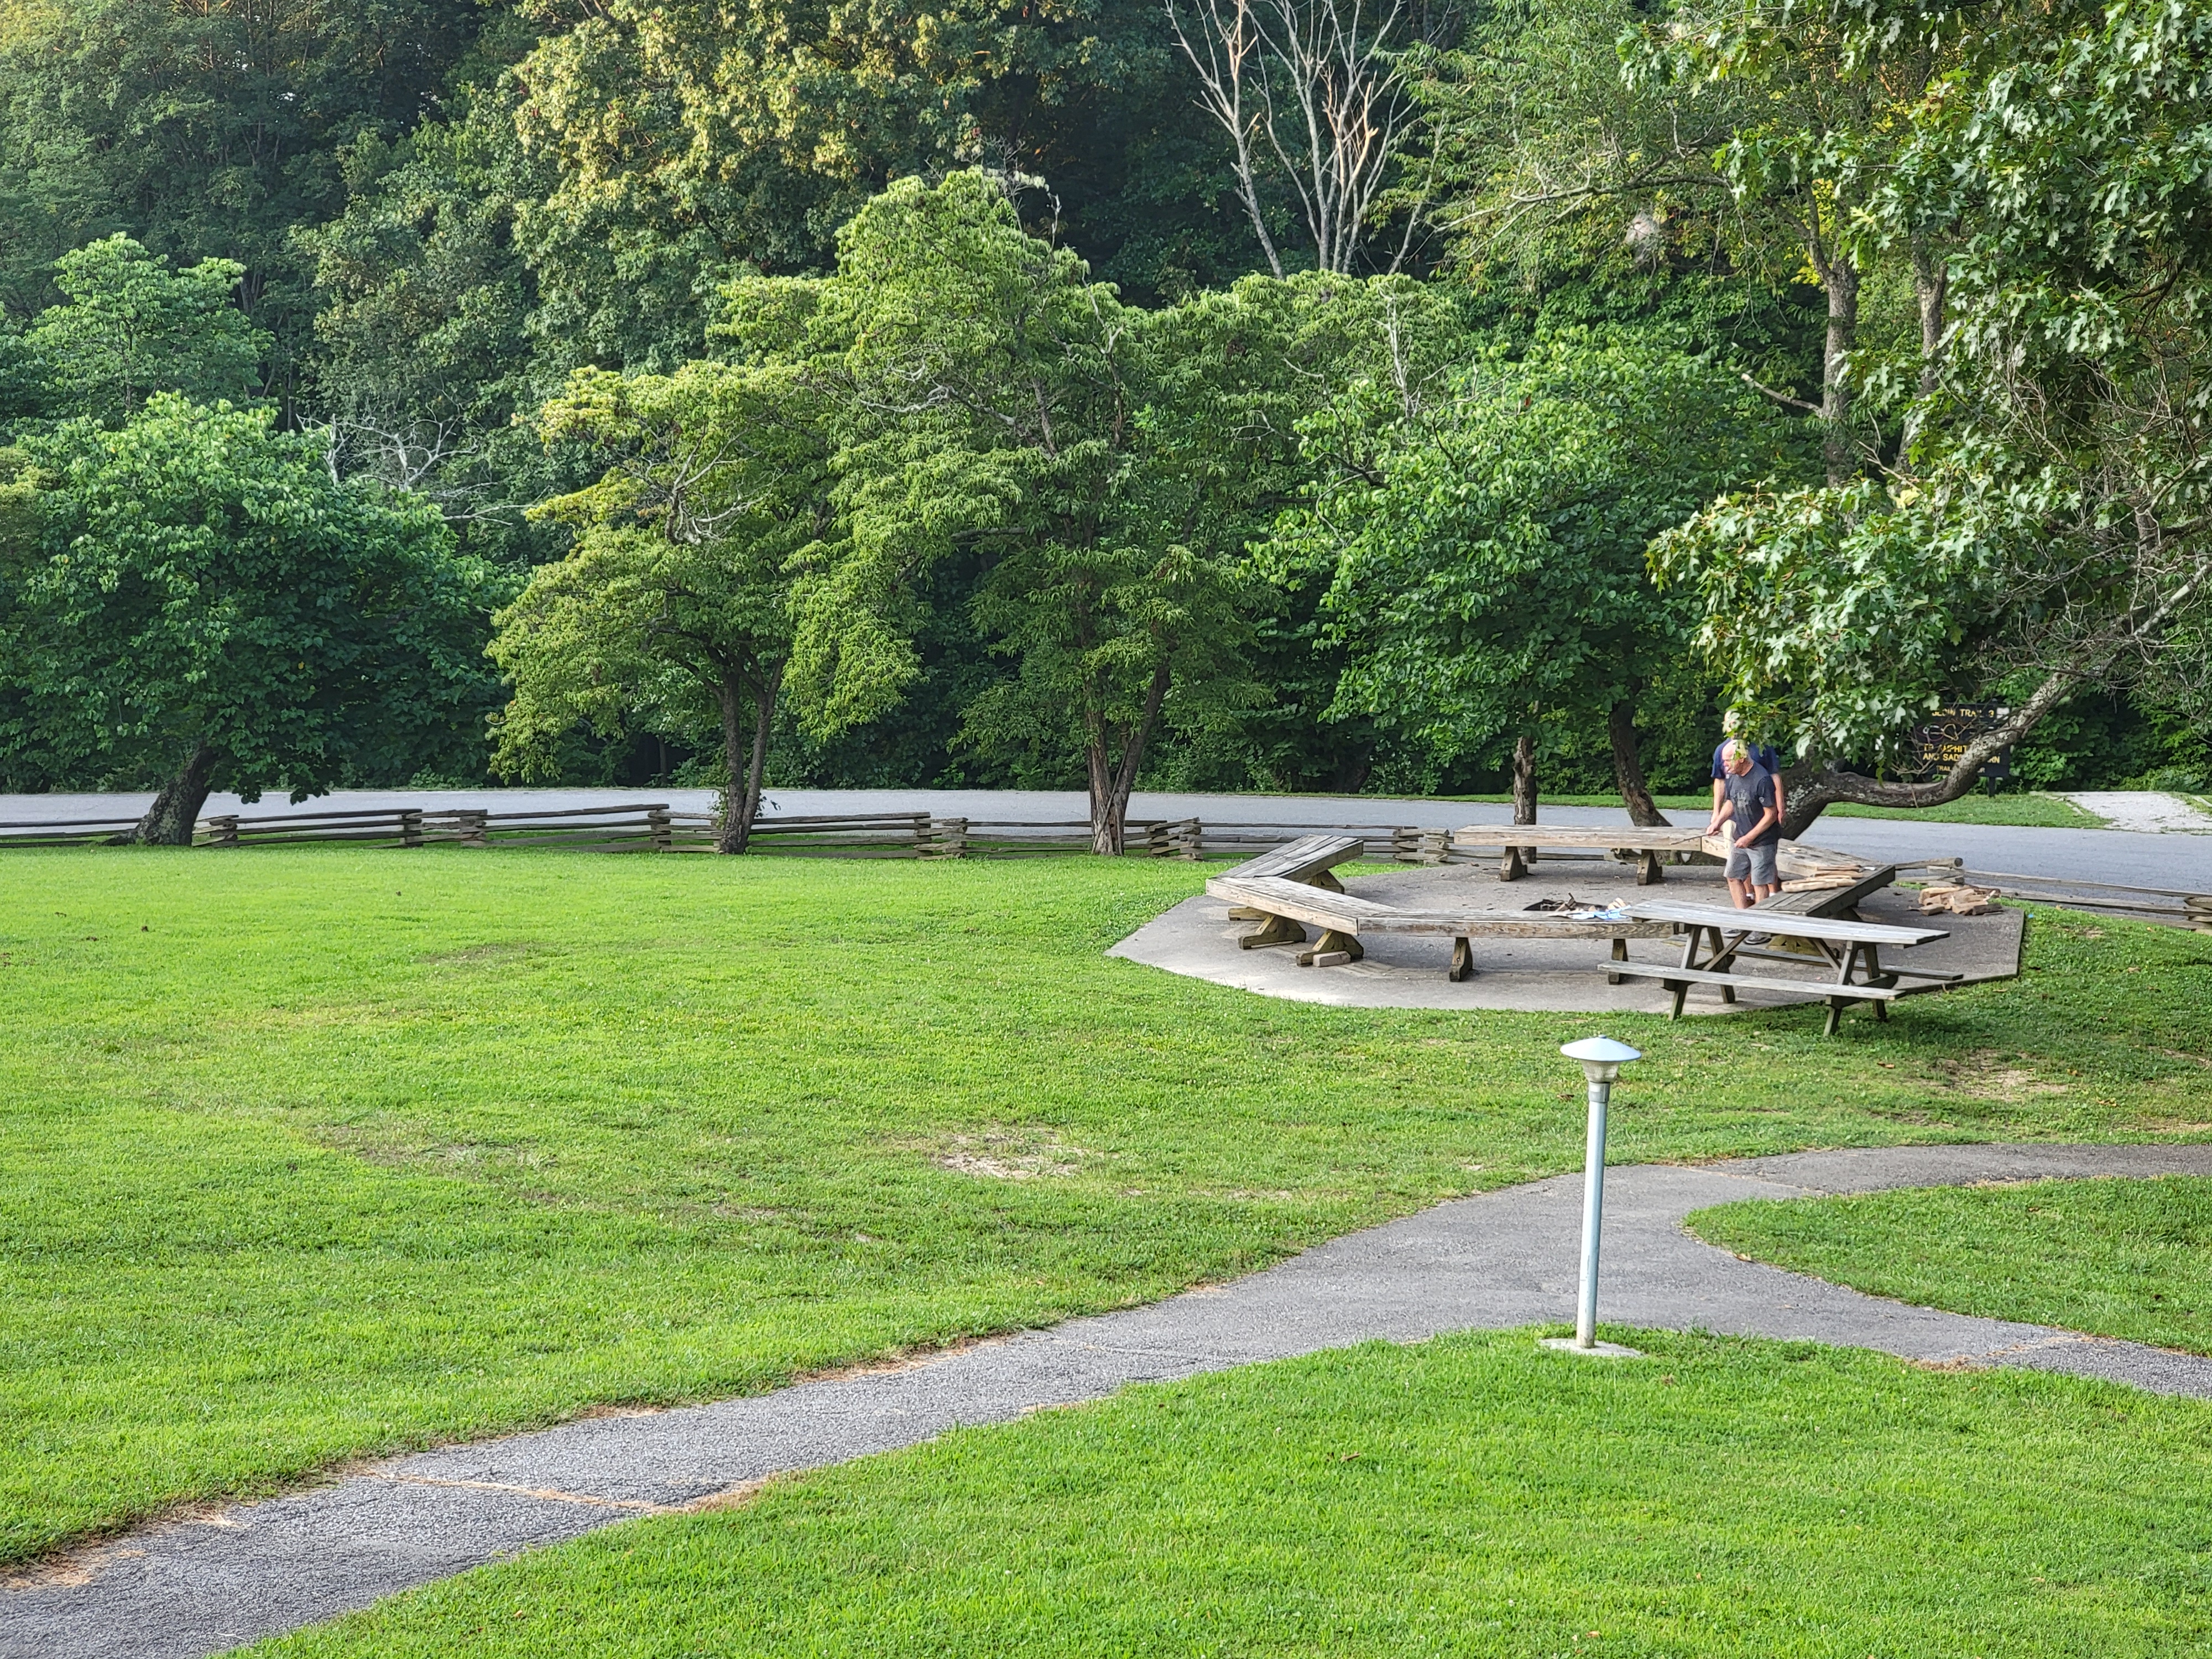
{"x": 1852, "y": 947}
{"x": 1345, "y": 917}
{"x": 1643, "y": 846}
{"x": 1307, "y": 862}
{"x": 1309, "y": 859}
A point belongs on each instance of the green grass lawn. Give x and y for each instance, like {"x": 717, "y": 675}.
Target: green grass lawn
{"x": 2035, "y": 811}
{"x": 2118, "y": 1258}
{"x": 318, "y": 1151}
{"x": 1470, "y": 1496}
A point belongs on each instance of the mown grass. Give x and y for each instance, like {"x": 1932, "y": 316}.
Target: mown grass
{"x": 1471, "y": 1495}
{"x": 2120, "y": 1258}
{"x": 312, "y": 1152}
{"x": 2031, "y": 810}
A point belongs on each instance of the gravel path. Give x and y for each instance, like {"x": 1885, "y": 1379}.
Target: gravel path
{"x": 1503, "y": 1259}
{"x": 2144, "y": 810}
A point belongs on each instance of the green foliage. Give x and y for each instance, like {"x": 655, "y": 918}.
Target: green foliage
{"x": 129, "y": 326}
{"x": 429, "y": 368}
{"x": 196, "y": 584}
{"x": 203, "y": 130}
{"x": 1484, "y": 554}
{"x": 674, "y": 611}
{"x": 2045, "y": 527}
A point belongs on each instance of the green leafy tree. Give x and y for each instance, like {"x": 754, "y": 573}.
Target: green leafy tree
{"x": 189, "y": 598}
{"x": 997, "y": 399}
{"x": 427, "y": 369}
{"x": 2046, "y": 530}
{"x": 205, "y": 130}
{"x": 130, "y": 327}
{"x": 674, "y": 612}
{"x": 1487, "y": 551}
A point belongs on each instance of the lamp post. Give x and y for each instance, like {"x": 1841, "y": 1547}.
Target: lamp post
{"x": 1602, "y": 1059}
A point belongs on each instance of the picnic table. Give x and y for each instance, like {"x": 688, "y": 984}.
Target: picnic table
{"x": 1648, "y": 848}
{"x": 1724, "y": 933}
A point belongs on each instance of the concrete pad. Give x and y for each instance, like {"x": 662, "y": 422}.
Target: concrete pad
{"x": 1198, "y": 938}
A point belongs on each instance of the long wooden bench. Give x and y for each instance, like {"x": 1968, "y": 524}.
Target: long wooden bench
{"x": 1306, "y": 862}
{"x": 1852, "y": 947}
{"x": 1292, "y": 906}
{"x": 1644, "y": 846}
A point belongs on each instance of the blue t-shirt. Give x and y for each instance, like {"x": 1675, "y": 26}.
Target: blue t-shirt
{"x": 1762, "y": 754}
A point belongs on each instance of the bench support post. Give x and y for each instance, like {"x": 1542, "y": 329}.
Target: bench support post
{"x": 1509, "y": 867}
{"x": 1276, "y": 930}
{"x": 1648, "y": 873}
{"x": 1330, "y": 942}
{"x": 1462, "y": 968}
{"x": 1619, "y": 954}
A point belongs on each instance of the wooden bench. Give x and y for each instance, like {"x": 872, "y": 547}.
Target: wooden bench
{"x": 1643, "y": 846}
{"x": 1852, "y": 947}
{"x": 1344, "y": 918}
{"x": 1307, "y": 862}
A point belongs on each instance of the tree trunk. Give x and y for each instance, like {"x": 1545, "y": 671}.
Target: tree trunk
{"x": 1841, "y": 279}
{"x": 1524, "y": 779}
{"x": 1110, "y": 784}
{"x": 1628, "y": 768}
{"x": 169, "y": 821}
{"x": 1931, "y": 282}
{"x": 745, "y": 754}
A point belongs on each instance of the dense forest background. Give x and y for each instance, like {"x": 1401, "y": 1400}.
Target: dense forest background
{"x": 436, "y": 212}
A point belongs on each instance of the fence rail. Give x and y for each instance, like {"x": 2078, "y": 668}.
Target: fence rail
{"x": 657, "y": 826}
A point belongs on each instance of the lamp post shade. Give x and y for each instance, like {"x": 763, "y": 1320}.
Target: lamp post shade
{"x": 1601, "y": 1057}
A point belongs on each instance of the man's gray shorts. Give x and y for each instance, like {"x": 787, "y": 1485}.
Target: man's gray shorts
{"x": 1753, "y": 864}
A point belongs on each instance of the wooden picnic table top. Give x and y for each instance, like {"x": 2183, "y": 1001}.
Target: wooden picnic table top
{"x": 1660, "y": 840}
{"x": 1728, "y": 919}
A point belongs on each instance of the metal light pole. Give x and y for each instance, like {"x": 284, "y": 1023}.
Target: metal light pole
{"x": 1601, "y": 1060}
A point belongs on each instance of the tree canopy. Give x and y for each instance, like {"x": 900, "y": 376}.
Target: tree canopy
{"x": 1257, "y": 393}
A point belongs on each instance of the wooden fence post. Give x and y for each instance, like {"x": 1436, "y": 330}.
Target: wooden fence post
{"x": 223, "y": 830}
{"x": 410, "y": 826}
{"x": 951, "y": 837}
{"x": 656, "y": 821}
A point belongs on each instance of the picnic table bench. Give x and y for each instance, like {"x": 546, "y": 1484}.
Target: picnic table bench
{"x": 1282, "y": 891}
{"x": 1852, "y": 947}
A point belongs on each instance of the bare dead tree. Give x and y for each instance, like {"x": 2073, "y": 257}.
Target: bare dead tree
{"x": 1318, "y": 86}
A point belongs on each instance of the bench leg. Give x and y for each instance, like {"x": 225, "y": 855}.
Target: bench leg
{"x": 1329, "y": 942}
{"x": 1326, "y": 880}
{"x": 1681, "y": 989}
{"x": 1277, "y": 930}
{"x": 1462, "y": 968}
{"x": 1619, "y": 954}
{"x": 1648, "y": 872}
{"x": 1510, "y": 867}
{"x": 1836, "y": 1006}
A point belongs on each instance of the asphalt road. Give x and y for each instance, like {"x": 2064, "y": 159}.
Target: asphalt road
{"x": 2128, "y": 857}
{"x": 1503, "y": 1260}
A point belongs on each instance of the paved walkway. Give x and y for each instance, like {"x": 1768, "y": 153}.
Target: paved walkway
{"x": 1502, "y": 1260}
